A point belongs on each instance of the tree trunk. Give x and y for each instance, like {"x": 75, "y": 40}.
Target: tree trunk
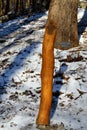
{"x": 61, "y": 32}
{"x": 47, "y": 73}
{"x": 16, "y": 7}
{"x": 64, "y": 13}
{"x": 21, "y": 6}
{"x": 0, "y": 7}
{"x": 3, "y": 8}
{"x": 7, "y": 6}
{"x": 33, "y": 5}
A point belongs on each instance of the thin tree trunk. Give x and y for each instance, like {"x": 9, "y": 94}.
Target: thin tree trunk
{"x": 47, "y": 74}
{"x": 7, "y": 6}
{"x": 33, "y": 5}
{"x": 16, "y": 8}
{"x": 0, "y": 7}
{"x": 21, "y": 6}
{"x": 3, "y": 7}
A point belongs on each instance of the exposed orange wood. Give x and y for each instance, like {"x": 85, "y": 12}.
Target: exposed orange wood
{"x": 47, "y": 74}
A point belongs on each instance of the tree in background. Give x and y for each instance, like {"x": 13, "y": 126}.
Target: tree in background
{"x": 61, "y": 32}
{"x": 7, "y": 8}
{"x": 20, "y": 7}
{"x": 45, "y": 3}
{"x": 2, "y": 7}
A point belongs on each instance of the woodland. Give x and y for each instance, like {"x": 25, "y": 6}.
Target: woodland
{"x": 12, "y": 8}
{"x": 9, "y": 9}
{"x": 43, "y": 65}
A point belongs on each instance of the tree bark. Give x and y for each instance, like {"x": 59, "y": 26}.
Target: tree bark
{"x": 7, "y": 6}
{"x": 17, "y": 6}
{"x": 0, "y": 7}
{"x": 33, "y": 5}
{"x": 3, "y": 8}
{"x": 21, "y": 7}
{"x": 61, "y": 32}
{"x": 64, "y": 13}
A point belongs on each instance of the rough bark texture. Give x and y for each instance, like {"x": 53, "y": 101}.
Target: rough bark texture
{"x": 64, "y": 13}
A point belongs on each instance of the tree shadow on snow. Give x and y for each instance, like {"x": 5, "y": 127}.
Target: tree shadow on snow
{"x": 82, "y": 24}
{"x": 16, "y": 64}
{"x": 5, "y": 30}
{"x": 11, "y": 26}
{"x": 58, "y": 82}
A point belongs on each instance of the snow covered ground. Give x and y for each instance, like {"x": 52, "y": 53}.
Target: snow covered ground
{"x": 20, "y": 83}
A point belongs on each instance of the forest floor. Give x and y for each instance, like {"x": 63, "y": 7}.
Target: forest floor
{"x": 20, "y": 83}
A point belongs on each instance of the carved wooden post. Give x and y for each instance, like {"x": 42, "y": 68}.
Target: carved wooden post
{"x": 61, "y": 31}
